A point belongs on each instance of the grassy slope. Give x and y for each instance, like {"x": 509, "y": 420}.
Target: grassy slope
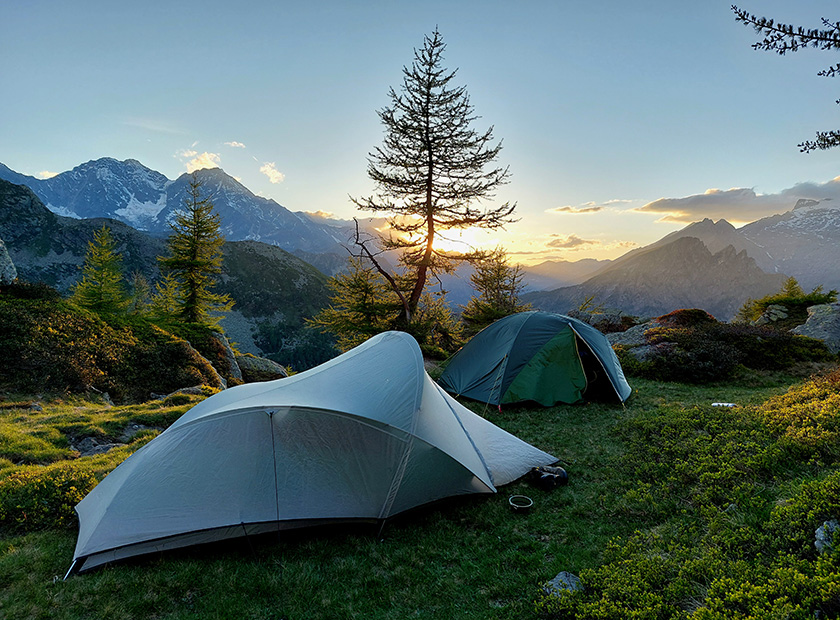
{"x": 466, "y": 558}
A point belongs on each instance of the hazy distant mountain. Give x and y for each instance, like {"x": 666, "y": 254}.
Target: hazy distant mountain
{"x": 680, "y": 274}
{"x": 803, "y": 242}
{"x": 145, "y": 199}
{"x": 272, "y": 289}
{"x": 556, "y": 273}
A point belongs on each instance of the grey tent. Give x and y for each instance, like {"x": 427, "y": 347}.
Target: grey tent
{"x": 536, "y": 356}
{"x": 364, "y": 436}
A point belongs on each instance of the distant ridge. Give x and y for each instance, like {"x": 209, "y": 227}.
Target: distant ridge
{"x": 679, "y": 274}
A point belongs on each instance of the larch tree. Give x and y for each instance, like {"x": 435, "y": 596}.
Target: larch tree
{"x": 784, "y": 38}
{"x": 195, "y": 259}
{"x": 498, "y": 285}
{"x": 430, "y": 174}
{"x": 101, "y": 288}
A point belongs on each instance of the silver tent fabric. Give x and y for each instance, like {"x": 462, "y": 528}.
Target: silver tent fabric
{"x": 364, "y": 436}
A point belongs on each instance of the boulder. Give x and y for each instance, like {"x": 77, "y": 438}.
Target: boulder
{"x": 259, "y": 368}
{"x": 823, "y": 324}
{"x": 233, "y": 370}
{"x": 824, "y": 536}
{"x": 633, "y": 337}
{"x": 564, "y": 582}
{"x": 771, "y": 314}
{"x": 8, "y": 273}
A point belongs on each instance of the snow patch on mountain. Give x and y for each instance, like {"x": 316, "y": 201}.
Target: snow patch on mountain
{"x": 63, "y": 211}
{"x": 140, "y": 214}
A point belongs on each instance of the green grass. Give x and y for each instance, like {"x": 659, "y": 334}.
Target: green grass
{"x": 645, "y": 484}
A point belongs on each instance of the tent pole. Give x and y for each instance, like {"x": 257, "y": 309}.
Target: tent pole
{"x": 70, "y": 570}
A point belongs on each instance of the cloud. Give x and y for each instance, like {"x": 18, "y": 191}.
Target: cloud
{"x": 46, "y": 174}
{"x": 569, "y": 209}
{"x": 270, "y": 170}
{"x": 591, "y": 206}
{"x": 235, "y": 144}
{"x": 569, "y": 242}
{"x": 204, "y": 160}
{"x": 325, "y": 215}
{"x": 739, "y": 204}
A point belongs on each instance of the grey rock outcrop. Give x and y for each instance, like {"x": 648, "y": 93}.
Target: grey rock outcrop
{"x": 823, "y": 324}
{"x": 259, "y": 369}
{"x": 564, "y": 582}
{"x": 771, "y": 314}
{"x": 8, "y": 273}
{"x": 633, "y": 337}
{"x": 233, "y": 370}
{"x": 824, "y": 536}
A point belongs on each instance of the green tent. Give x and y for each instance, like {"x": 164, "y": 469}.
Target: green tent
{"x": 536, "y": 356}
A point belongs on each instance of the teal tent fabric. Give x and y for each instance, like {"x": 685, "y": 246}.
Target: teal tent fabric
{"x": 535, "y": 356}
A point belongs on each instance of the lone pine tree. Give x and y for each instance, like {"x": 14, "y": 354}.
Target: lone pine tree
{"x": 195, "y": 259}
{"x": 429, "y": 174}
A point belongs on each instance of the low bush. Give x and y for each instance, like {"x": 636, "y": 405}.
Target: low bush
{"x": 49, "y": 345}
{"x": 690, "y": 346}
{"x": 727, "y": 539}
{"x": 36, "y": 498}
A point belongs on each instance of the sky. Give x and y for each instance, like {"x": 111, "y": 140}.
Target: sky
{"x": 620, "y": 121}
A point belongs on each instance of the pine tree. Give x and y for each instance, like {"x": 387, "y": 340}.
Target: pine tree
{"x": 784, "y": 38}
{"x": 101, "y": 288}
{"x": 499, "y": 285}
{"x": 195, "y": 259}
{"x": 364, "y": 304}
{"x": 429, "y": 173}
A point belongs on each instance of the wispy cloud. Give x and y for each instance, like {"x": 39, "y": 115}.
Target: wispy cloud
{"x": 569, "y": 209}
{"x": 739, "y": 204}
{"x": 270, "y": 170}
{"x": 46, "y": 174}
{"x": 589, "y": 207}
{"x": 235, "y": 144}
{"x": 570, "y": 241}
{"x": 154, "y": 125}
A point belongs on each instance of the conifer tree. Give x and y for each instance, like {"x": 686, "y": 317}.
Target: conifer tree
{"x": 430, "y": 173}
{"x": 101, "y": 288}
{"x": 195, "y": 259}
{"x": 784, "y": 38}
{"x": 499, "y": 285}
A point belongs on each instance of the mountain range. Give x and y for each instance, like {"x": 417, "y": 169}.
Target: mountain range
{"x": 273, "y": 290}
{"x": 718, "y": 271}
{"x": 146, "y": 200}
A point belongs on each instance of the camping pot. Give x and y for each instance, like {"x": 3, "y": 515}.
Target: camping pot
{"x": 520, "y": 503}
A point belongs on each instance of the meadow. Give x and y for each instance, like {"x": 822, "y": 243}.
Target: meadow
{"x": 674, "y": 508}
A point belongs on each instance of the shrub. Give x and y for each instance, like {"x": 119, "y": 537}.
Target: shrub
{"x": 793, "y": 298}
{"x": 35, "y": 498}
{"x": 690, "y": 346}
{"x": 808, "y": 415}
{"x": 52, "y": 346}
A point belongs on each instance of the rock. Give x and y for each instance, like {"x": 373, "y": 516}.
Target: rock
{"x": 8, "y": 273}
{"x": 259, "y": 368}
{"x": 771, "y": 314}
{"x": 606, "y": 320}
{"x": 132, "y": 429}
{"x": 633, "y": 337}
{"x": 564, "y": 582}
{"x": 823, "y": 324}
{"x": 91, "y": 445}
{"x": 824, "y": 536}
{"x": 233, "y": 370}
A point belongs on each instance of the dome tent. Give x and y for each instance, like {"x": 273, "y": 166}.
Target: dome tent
{"x": 536, "y": 356}
{"x": 362, "y": 437}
